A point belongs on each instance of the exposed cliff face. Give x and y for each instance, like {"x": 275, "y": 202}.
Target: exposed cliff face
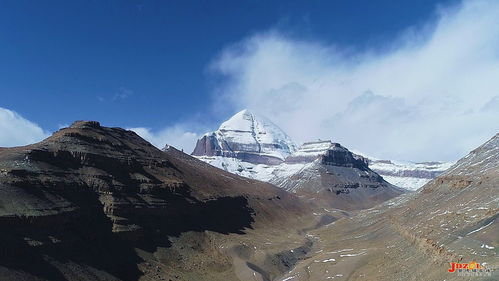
{"x": 247, "y": 137}
{"x": 207, "y": 145}
{"x": 79, "y": 205}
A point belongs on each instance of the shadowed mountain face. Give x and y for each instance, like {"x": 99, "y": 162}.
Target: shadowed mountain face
{"x": 79, "y": 205}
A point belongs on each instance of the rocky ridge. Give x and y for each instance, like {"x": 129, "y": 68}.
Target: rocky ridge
{"x": 98, "y": 203}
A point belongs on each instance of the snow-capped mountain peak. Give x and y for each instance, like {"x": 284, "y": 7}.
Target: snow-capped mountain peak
{"x": 249, "y": 137}
{"x": 241, "y": 121}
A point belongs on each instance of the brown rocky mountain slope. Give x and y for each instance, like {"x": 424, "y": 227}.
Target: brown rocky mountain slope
{"x": 97, "y": 203}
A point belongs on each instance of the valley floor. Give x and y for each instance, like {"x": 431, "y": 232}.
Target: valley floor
{"x": 374, "y": 244}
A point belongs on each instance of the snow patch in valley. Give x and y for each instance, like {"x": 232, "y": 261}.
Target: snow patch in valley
{"x": 487, "y": 247}
{"x": 408, "y": 183}
{"x": 353, "y": 255}
{"x": 479, "y": 229}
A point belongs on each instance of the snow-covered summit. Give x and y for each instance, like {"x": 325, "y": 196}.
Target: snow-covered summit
{"x": 248, "y": 137}
{"x": 241, "y": 121}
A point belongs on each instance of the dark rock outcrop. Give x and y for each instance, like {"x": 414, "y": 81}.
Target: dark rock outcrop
{"x": 337, "y": 155}
{"x": 207, "y": 146}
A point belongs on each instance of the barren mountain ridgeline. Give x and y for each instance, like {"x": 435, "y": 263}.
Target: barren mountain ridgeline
{"x": 82, "y": 202}
{"x": 98, "y": 203}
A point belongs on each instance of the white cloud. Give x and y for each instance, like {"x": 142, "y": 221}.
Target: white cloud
{"x": 17, "y": 131}
{"x": 430, "y": 95}
{"x": 177, "y": 136}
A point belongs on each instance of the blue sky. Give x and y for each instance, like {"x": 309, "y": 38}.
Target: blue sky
{"x": 176, "y": 66}
{"x": 144, "y": 63}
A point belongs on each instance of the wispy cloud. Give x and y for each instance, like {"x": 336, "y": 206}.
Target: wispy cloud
{"x": 16, "y": 130}
{"x": 432, "y": 94}
{"x": 121, "y": 94}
